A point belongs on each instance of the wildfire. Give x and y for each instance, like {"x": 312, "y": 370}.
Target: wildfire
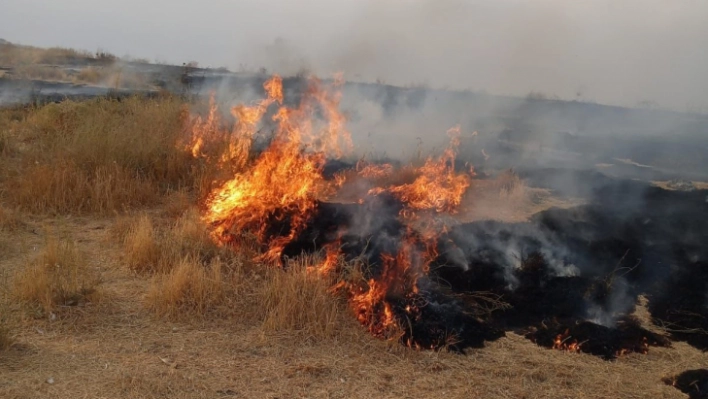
{"x": 273, "y": 194}
{"x": 279, "y": 189}
{"x": 373, "y": 171}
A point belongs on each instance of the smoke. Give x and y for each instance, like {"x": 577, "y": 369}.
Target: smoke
{"x": 602, "y": 51}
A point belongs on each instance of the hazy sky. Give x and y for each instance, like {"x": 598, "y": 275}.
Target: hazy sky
{"x": 610, "y": 51}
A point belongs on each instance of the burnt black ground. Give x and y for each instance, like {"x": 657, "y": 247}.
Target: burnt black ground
{"x": 585, "y": 265}
{"x": 691, "y": 382}
{"x": 626, "y": 336}
{"x": 591, "y": 262}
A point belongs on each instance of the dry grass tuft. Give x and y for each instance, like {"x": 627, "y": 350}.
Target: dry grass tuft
{"x": 142, "y": 247}
{"x": 195, "y": 289}
{"x": 90, "y": 75}
{"x": 189, "y": 235}
{"x": 5, "y": 338}
{"x": 10, "y": 223}
{"x": 64, "y": 188}
{"x": 510, "y": 185}
{"x": 39, "y": 72}
{"x": 177, "y": 203}
{"x": 15, "y": 54}
{"x": 157, "y": 250}
{"x": 9, "y": 219}
{"x": 297, "y": 300}
{"x": 58, "y": 277}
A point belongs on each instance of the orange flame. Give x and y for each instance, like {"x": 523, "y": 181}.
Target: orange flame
{"x": 438, "y": 187}
{"x": 373, "y": 171}
{"x": 565, "y": 342}
{"x": 274, "y": 194}
{"x": 284, "y": 182}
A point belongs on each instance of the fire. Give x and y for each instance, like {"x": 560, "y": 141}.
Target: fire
{"x": 437, "y": 186}
{"x": 279, "y": 190}
{"x": 373, "y": 171}
{"x": 566, "y": 342}
{"x": 397, "y": 283}
{"x": 273, "y": 194}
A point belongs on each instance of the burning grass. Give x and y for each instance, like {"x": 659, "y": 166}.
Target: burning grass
{"x": 59, "y": 276}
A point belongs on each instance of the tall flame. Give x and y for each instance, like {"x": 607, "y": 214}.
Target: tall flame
{"x": 274, "y": 193}
{"x": 282, "y": 184}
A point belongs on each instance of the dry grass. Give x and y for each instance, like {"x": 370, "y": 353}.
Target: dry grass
{"x": 297, "y": 300}
{"x": 13, "y": 55}
{"x": 142, "y": 247}
{"x": 40, "y": 72}
{"x": 5, "y": 330}
{"x": 99, "y": 156}
{"x": 60, "y": 276}
{"x": 10, "y": 223}
{"x": 5, "y": 338}
{"x": 194, "y": 289}
{"x": 149, "y": 249}
{"x": 10, "y": 219}
{"x": 91, "y": 75}
{"x": 65, "y": 188}
{"x": 510, "y": 185}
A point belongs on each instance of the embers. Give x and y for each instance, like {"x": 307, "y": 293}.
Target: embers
{"x": 607, "y": 342}
{"x": 691, "y": 382}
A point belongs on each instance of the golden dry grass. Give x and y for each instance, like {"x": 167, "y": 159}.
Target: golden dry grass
{"x": 157, "y": 249}
{"x": 100, "y": 156}
{"x": 299, "y": 301}
{"x": 142, "y": 249}
{"x": 192, "y": 288}
{"x": 14, "y": 54}
{"x": 39, "y": 72}
{"x": 59, "y": 276}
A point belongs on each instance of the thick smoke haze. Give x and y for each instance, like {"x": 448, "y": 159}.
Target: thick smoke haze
{"x": 623, "y": 53}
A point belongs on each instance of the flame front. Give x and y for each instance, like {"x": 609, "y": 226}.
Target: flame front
{"x": 437, "y": 186}
{"x": 273, "y": 194}
{"x": 281, "y": 186}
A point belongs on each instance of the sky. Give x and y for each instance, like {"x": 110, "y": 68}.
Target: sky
{"x": 608, "y": 51}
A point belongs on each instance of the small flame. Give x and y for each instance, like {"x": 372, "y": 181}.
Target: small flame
{"x": 566, "y": 342}
{"x": 438, "y": 187}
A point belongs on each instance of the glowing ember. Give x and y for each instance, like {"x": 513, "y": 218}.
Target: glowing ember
{"x": 566, "y": 342}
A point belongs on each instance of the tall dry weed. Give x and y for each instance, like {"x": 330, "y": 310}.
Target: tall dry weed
{"x": 149, "y": 249}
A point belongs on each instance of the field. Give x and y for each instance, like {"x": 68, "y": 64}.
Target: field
{"x": 112, "y": 287}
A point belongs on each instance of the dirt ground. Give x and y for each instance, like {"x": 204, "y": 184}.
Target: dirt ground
{"x": 115, "y": 347}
